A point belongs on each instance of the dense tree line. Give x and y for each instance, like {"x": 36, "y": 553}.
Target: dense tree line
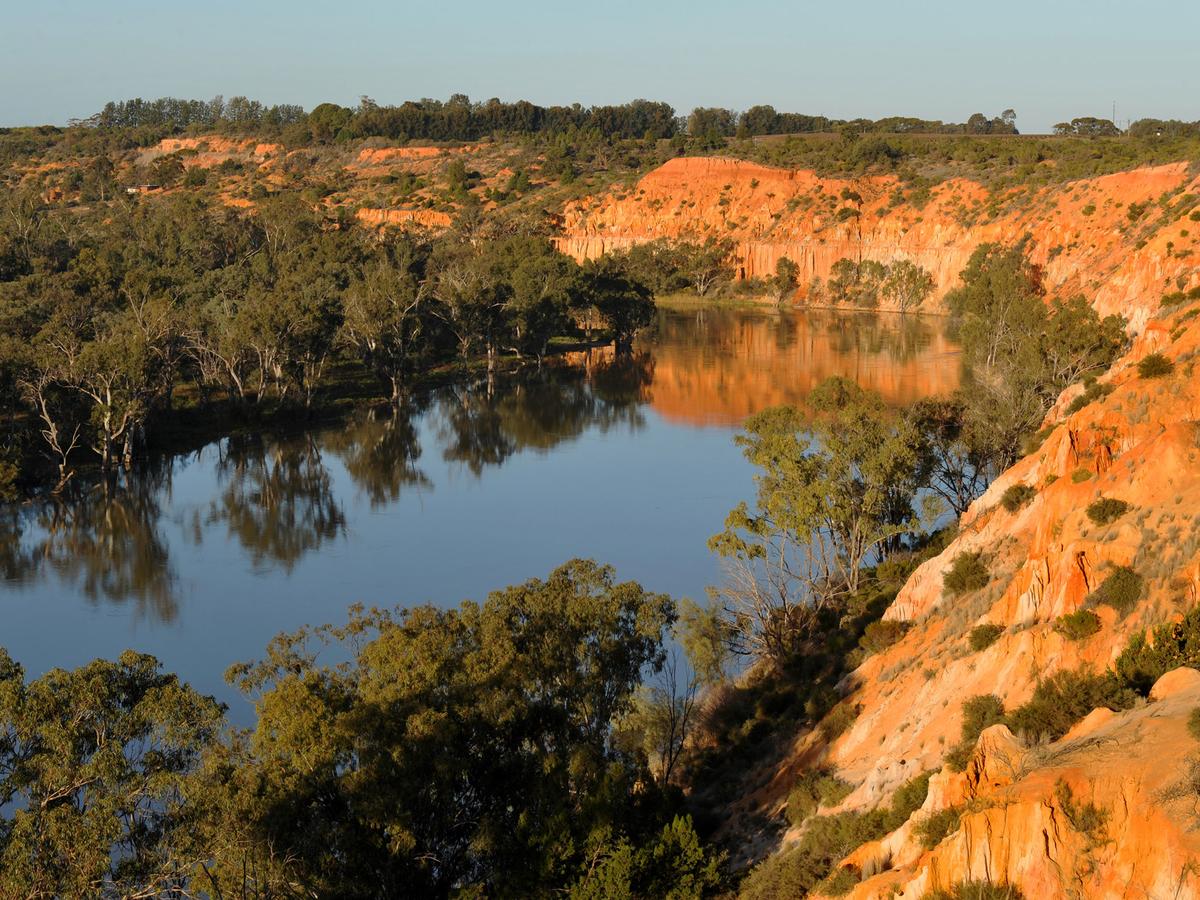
{"x": 236, "y": 112}
{"x": 106, "y": 315}
{"x": 462, "y": 752}
{"x": 461, "y": 119}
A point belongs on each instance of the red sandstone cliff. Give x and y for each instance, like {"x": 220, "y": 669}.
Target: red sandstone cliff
{"x": 1140, "y": 444}
{"x": 1082, "y": 232}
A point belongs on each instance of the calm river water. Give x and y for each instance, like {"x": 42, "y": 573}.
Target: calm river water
{"x": 203, "y": 559}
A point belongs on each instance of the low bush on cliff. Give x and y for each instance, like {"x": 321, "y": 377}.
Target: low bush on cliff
{"x": 1080, "y": 475}
{"x": 841, "y": 882}
{"x": 979, "y": 712}
{"x": 1077, "y": 626}
{"x": 881, "y": 635}
{"x": 839, "y": 719}
{"x": 1175, "y": 298}
{"x": 1155, "y": 365}
{"x": 1106, "y": 510}
{"x": 1086, "y": 818}
{"x": 967, "y": 573}
{"x": 1194, "y": 723}
{"x": 1171, "y": 645}
{"x": 977, "y": 890}
{"x": 815, "y": 789}
{"x": 1121, "y": 590}
{"x": 1063, "y": 699}
{"x": 1092, "y": 391}
{"x": 983, "y": 636}
{"x": 826, "y": 841}
{"x": 936, "y": 827}
{"x": 1017, "y": 496}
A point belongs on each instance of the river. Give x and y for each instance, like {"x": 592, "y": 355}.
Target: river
{"x": 201, "y": 558}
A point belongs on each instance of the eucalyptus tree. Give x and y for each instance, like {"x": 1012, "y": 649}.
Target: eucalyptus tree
{"x": 388, "y": 319}
{"x": 457, "y": 751}
{"x": 93, "y": 764}
{"x": 834, "y": 492}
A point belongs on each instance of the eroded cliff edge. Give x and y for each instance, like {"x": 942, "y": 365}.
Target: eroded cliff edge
{"x": 1119, "y": 239}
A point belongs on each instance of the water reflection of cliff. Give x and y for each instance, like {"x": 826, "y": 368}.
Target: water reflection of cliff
{"x": 715, "y": 367}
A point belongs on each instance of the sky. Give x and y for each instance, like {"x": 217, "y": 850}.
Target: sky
{"x": 1049, "y": 60}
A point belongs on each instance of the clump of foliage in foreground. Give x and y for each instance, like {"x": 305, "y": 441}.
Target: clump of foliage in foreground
{"x": 466, "y": 750}
{"x": 977, "y": 890}
{"x": 826, "y": 841}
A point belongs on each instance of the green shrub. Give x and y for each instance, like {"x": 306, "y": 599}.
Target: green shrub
{"x": 1174, "y": 644}
{"x": 882, "y": 634}
{"x": 1121, "y": 590}
{"x": 1080, "y": 475}
{"x": 983, "y": 636}
{"x": 935, "y": 827}
{"x": 979, "y": 712}
{"x": 1155, "y": 365}
{"x": 1106, "y": 510}
{"x": 977, "y": 890}
{"x": 838, "y": 720}
{"x": 1063, "y": 699}
{"x": 967, "y": 573}
{"x": 1194, "y": 723}
{"x": 907, "y": 800}
{"x": 798, "y": 870}
{"x": 1078, "y": 626}
{"x": 827, "y": 841}
{"x": 1092, "y": 391}
{"x": 841, "y": 882}
{"x": 195, "y": 177}
{"x": 1017, "y": 496}
{"x": 1086, "y": 818}
{"x": 815, "y": 789}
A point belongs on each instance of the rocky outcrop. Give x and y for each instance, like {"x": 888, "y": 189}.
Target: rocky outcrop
{"x": 1109, "y": 813}
{"x": 418, "y": 218}
{"x": 1082, "y": 232}
{"x": 378, "y": 156}
{"x": 213, "y": 150}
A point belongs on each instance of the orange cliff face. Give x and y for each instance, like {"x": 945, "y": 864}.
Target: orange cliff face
{"x": 1140, "y": 444}
{"x": 418, "y": 218}
{"x": 1082, "y": 234}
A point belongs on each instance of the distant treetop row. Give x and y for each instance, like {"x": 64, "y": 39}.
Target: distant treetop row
{"x": 459, "y": 119}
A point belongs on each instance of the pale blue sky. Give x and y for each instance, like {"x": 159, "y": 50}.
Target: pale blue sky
{"x": 1049, "y": 60}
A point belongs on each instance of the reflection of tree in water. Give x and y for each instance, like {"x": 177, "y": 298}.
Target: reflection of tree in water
{"x": 470, "y": 429}
{"x": 479, "y": 428}
{"x": 379, "y": 448}
{"x": 898, "y": 337}
{"x": 16, "y": 560}
{"x": 278, "y": 498}
{"x": 105, "y": 539}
